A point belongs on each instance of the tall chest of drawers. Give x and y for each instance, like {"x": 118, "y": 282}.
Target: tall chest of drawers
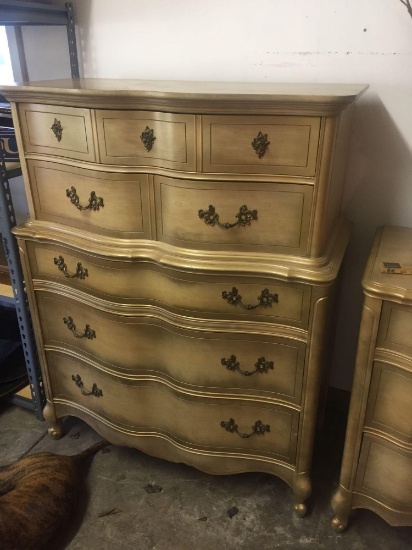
{"x": 377, "y": 462}
{"x": 181, "y": 259}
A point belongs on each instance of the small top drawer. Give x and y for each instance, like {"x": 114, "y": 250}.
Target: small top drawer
{"x": 61, "y": 131}
{"x": 260, "y": 144}
{"x": 395, "y": 328}
{"x": 140, "y": 138}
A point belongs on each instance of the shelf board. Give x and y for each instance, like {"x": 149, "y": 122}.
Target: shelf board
{"x": 30, "y": 13}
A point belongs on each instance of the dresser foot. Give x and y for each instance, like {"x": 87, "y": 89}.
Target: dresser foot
{"x": 56, "y": 425}
{"x": 341, "y": 505}
{"x": 302, "y": 489}
{"x": 56, "y": 430}
{"x": 338, "y": 524}
{"x": 300, "y": 509}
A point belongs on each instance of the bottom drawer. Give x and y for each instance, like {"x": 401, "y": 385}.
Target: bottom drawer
{"x": 385, "y": 473}
{"x": 149, "y": 407}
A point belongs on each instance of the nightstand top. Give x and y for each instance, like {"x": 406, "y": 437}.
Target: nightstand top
{"x": 388, "y": 272}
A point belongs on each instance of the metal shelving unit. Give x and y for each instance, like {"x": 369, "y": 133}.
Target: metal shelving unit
{"x": 20, "y": 14}
{"x": 7, "y": 222}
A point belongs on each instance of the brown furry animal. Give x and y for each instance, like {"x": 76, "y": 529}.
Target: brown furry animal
{"x": 37, "y": 496}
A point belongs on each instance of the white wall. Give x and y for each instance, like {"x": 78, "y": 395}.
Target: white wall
{"x": 361, "y": 41}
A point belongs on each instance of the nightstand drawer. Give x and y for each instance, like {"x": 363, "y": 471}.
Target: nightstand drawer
{"x": 112, "y": 204}
{"x": 254, "y": 217}
{"x": 142, "y": 138}
{"x": 206, "y": 423}
{"x": 60, "y": 131}
{"x": 260, "y": 144}
{"x": 384, "y": 474}
{"x": 221, "y": 363}
{"x": 390, "y": 401}
{"x": 395, "y": 328}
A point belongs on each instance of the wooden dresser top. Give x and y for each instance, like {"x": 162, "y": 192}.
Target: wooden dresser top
{"x": 310, "y": 99}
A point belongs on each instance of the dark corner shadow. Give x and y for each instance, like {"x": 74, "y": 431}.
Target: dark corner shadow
{"x": 377, "y": 192}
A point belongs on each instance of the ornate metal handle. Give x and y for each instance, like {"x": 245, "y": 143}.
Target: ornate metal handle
{"x": 244, "y": 217}
{"x": 81, "y": 272}
{"x": 258, "y": 428}
{"x": 57, "y": 129}
{"x": 95, "y": 202}
{"x": 260, "y": 143}
{"x": 261, "y": 365}
{"x": 87, "y": 333}
{"x": 148, "y": 138}
{"x": 94, "y": 391}
{"x": 265, "y": 299}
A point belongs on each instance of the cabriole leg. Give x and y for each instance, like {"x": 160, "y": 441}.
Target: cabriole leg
{"x": 302, "y": 489}
{"x": 341, "y": 505}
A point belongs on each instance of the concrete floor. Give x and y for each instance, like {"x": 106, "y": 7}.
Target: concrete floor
{"x": 189, "y": 511}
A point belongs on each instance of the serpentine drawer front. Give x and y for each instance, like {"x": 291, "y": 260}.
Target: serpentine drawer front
{"x": 116, "y": 205}
{"x": 262, "y": 430}
{"x": 147, "y": 139}
{"x": 280, "y": 144}
{"x": 222, "y": 362}
{"x": 220, "y": 297}
{"x": 395, "y": 328}
{"x": 181, "y": 259}
{"x": 56, "y": 130}
{"x": 240, "y": 216}
{"x": 389, "y": 403}
{"x": 377, "y": 462}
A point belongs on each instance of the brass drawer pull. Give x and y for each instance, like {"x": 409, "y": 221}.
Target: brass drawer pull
{"x": 260, "y": 143}
{"x": 94, "y": 391}
{"x": 258, "y": 428}
{"x": 261, "y": 365}
{"x": 87, "y": 333}
{"x": 244, "y": 217}
{"x": 265, "y": 299}
{"x": 57, "y": 129}
{"x": 81, "y": 272}
{"x": 148, "y": 138}
{"x": 95, "y": 202}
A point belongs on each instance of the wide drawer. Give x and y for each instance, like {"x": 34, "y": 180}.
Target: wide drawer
{"x": 112, "y": 204}
{"x": 267, "y": 367}
{"x": 384, "y": 473}
{"x": 389, "y": 407}
{"x": 260, "y": 144}
{"x": 153, "y": 408}
{"x": 395, "y": 328}
{"x": 147, "y": 139}
{"x": 227, "y": 297}
{"x": 271, "y": 217}
{"x": 56, "y": 130}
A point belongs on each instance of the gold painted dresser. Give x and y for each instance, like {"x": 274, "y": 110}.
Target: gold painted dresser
{"x": 181, "y": 260}
{"x": 377, "y": 462}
